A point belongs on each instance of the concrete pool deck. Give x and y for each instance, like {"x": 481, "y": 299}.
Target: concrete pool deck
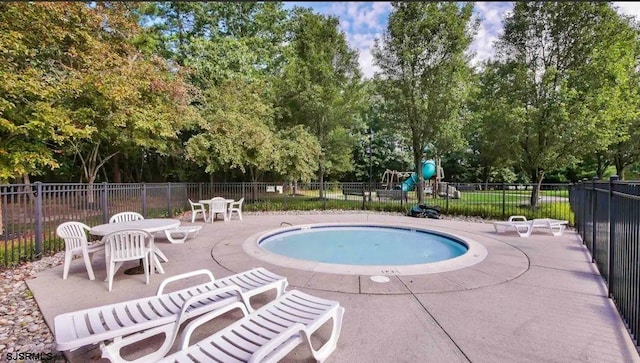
{"x": 536, "y": 299}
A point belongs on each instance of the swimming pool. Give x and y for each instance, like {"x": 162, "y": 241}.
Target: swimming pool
{"x": 365, "y": 249}
{"x": 363, "y": 245}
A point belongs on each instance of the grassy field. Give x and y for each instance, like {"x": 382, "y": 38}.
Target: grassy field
{"x": 485, "y": 204}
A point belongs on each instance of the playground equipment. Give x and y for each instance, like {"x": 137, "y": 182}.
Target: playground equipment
{"x": 428, "y": 170}
{"x": 408, "y": 180}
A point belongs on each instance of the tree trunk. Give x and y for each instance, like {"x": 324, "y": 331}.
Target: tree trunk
{"x": 117, "y": 175}
{"x": 417, "y": 163}
{"x": 27, "y": 186}
{"x": 321, "y": 180}
{"x": 535, "y": 192}
{"x": 619, "y": 167}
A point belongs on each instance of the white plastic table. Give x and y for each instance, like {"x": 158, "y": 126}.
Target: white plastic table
{"x": 227, "y": 214}
{"x": 150, "y": 225}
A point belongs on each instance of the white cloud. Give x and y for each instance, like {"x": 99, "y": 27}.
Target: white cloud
{"x": 363, "y": 22}
{"x": 491, "y": 16}
{"x": 627, "y": 8}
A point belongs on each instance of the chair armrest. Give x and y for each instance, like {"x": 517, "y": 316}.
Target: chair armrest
{"x": 195, "y": 323}
{"x": 272, "y": 344}
{"x": 517, "y": 218}
{"x": 185, "y": 275}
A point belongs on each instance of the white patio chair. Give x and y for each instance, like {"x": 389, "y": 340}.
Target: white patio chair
{"x": 236, "y": 207}
{"x": 197, "y": 208}
{"x": 125, "y": 217}
{"x": 121, "y": 324}
{"x": 127, "y": 245}
{"x": 266, "y": 335}
{"x": 218, "y": 205}
{"x": 74, "y": 235}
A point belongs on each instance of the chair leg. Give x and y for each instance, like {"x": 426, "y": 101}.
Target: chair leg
{"x": 87, "y": 263}
{"x": 67, "y": 263}
{"x": 323, "y": 352}
{"x": 160, "y": 254}
{"x": 193, "y": 215}
{"x": 111, "y": 273}
{"x": 145, "y": 264}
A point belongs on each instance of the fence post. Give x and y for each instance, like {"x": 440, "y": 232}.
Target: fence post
{"x": 612, "y": 234}
{"x": 200, "y": 191}
{"x": 364, "y": 195}
{"x": 504, "y": 200}
{"x": 594, "y": 219}
{"x": 144, "y": 200}
{"x": 38, "y": 219}
{"x": 105, "y": 207}
{"x": 169, "y": 199}
{"x": 584, "y": 210}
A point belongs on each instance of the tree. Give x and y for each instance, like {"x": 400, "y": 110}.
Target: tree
{"x": 489, "y": 118}
{"x": 423, "y": 65}
{"x": 39, "y": 43}
{"x": 563, "y": 63}
{"x": 321, "y": 89}
{"x": 237, "y": 131}
{"x": 297, "y": 154}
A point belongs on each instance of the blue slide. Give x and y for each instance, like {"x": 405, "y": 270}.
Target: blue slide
{"x": 428, "y": 170}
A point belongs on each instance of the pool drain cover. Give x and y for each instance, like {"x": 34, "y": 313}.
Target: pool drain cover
{"x": 380, "y": 279}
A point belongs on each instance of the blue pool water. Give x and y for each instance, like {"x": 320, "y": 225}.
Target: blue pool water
{"x": 364, "y": 245}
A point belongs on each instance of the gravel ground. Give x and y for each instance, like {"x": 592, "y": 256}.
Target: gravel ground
{"x": 22, "y": 327}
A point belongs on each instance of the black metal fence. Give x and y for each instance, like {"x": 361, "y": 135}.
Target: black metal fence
{"x": 29, "y": 214}
{"x": 608, "y": 220}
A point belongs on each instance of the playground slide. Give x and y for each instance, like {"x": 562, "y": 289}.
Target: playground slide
{"x": 428, "y": 170}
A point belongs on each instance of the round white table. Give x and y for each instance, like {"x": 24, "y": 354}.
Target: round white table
{"x": 150, "y": 225}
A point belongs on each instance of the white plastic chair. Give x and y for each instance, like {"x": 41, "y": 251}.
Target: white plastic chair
{"x": 127, "y": 245}
{"x": 236, "y": 207}
{"x": 266, "y": 335}
{"x": 125, "y": 217}
{"x": 197, "y": 208}
{"x": 76, "y": 243}
{"x": 218, "y": 205}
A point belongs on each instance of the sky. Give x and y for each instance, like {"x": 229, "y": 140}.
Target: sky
{"x": 363, "y": 22}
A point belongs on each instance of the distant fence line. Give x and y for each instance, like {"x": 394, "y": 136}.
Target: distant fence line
{"x": 29, "y": 214}
{"x": 607, "y": 215}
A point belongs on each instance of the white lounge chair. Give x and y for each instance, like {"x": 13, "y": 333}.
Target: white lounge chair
{"x": 125, "y": 217}
{"x": 266, "y": 335}
{"x": 180, "y": 234}
{"x": 525, "y": 227}
{"x": 75, "y": 239}
{"x": 115, "y": 326}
